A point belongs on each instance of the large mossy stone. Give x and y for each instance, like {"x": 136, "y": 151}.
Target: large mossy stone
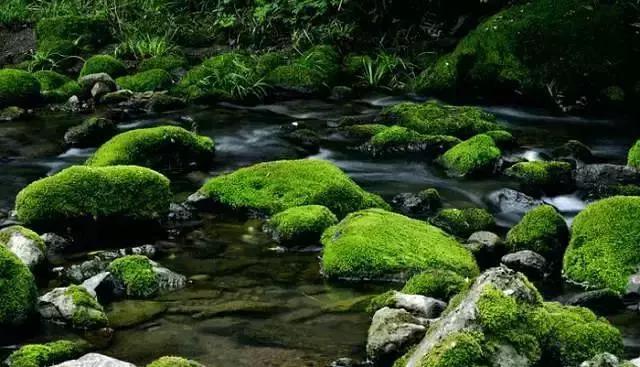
{"x": 18, "y": 290}
{"x": 103, "y": 64}
{"x": 272, "y": 187}
{"x": 475, "y": 156}
{"x": 18, "y": 88}
{"x": 145, "y": 81}
{"x": 553, "y": 176}
{"x": 315, "y": 71}
{"x": 633, "y": 158}
{"x": 377, "y": 244}
{"x": 542, "y": 230}
{"x": 605, "y": 243}
{"x": 90, "y": 193}
{"x": 301, "y": 225}
{"x": 41, "y": 355}
{"x": 398, "y": 139}
{"x": 56, "y": 87}
{"x": 463, "y": 222}
{"x": 164, "y": 148}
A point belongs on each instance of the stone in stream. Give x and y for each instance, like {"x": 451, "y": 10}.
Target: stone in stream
{"x": 512, "y": 203}
{"x": 418, "y": 305}
{"x": 143, "y": 278}
{"x": 542, "y": 230}
{"x": 78, "y": 273}
{"x": 91, "y": 133}
{"x": 463, "y": 222}
{"x": 95, "y": 360}
{"x": 392, "y": 333}
{"x": 34, "y": 355}
{"x": 540, "y": 176}
{"x": 438, "y": 284}
{"x": 25, "y": 244}
{"x": 398, "y": 140}
{"x": 475, "y": 156}
{"x": 487, "y": 247}
{"x": 74, "y": 306}
{"x": 574, "y": 149}
{"x": 530, "y": 263}
{"x": 300, "y": 226}
{"x": 417, "y": 205}
{"x": 606, "y": 179}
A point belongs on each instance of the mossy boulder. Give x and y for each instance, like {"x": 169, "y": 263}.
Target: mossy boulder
{"x": 84, "y": 32}
{"x": 364, "y": 131}
{"x": 145, "y": 81}
{"x": 438, "y": 284}
{"x": 136, "y": 272}
{"x": 463, "y": 222}
{"x": 604, "y": 247}
{"x": 313, "y": 72}
{"x": 103, "y": 64}
{"x": 50, "y": 79}
{"x": 553, "y": 176}
{"x": 165, "y": 148}
{"x": 90, "y": 133}
{"x": 25, "y": 244}
{"x": 502, "y": 138}
{"x": 376, "y": 244}
{"x": 542, "y": 230}
{"x": 633, "y": 158}
{"x": 398, "y": 139}
{"x": 82, "y": 193}
{"x": 433, "y": 118}
{"x": 271, "y": 187}
{"x": 169, "y": 63}
{"x": 49, "y": 354}
{"x": 56, "y": 87}
{"x": 74, "y": 306}
{"x": 18, "y": 88}
{"x": 18, "y": 289}
{"x": 301, "y": 225}
{"x": 475, "y": 156}
{"x": 174, "y": 362}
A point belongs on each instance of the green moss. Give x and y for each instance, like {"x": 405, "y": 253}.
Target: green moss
{"x": 272, "y": 187}
{"x": 365, "y": 131}
{"x": 314, "y": 71}
{"x": 633, "y": 159}
{"x": 169, "y": 63}
{"x": 18, "y": 88}
{"x": 473, "y": 156}
{"x": 62, "y": 94}
{"x": 268, "y": 61}
{"x": 437, "y": 119}
{"x": 50, "y": 79}
{"x": 542, "y": 230}
{"x": 541, "y": 174}
{"x": 381, "y": 300}
{"x": 86, "y": 32}
{"x": 163, "y": 148}
{"x": 378, "y": 244}
{"x": 439, "y": 284}
{"x": 103, "y": 64}
{"x": 502, "y": 138}
{"x": 398, "y": 138}
{"x": 43, "y": 355}
{"x": 463, "y": 222}
{"x": 6, "y": 233}
{"x": 463, "y": 349}
{"x": 88, "y": 314}
{"x": 302, "y": 225}
{"x": 136, "y": 272}
{"x": 18, "y": 289}
{"x": 173, "y": 362}
{"x": 604, "y": 248}
{"x": 152, "y": 80}
{"x": 82, "y": 192}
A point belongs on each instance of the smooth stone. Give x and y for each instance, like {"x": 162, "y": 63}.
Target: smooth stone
{"x": 527, "y": 262}
{"x": 512, "y": 203}
{"x": 88, "y": 81}
{"x": 487, "y": 247}
{"x": 418, "y": 305}
{"x": 415, "y": 205}
{"x": 26, "y": 250}
{"x": 392, "y": 333}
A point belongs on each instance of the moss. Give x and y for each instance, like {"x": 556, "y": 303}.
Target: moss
{"x": 272, "y": 187}
{"x": 80, "y": 192}
{"x": 50, "y": 79}
{"x": 268, "y": 61}
{"x": 152, "y": 80}
{"x": 364, "y": 131}
{"x": 401, "y": 139}
{"x": 437, "y": 119}
{"x": 378, "y": 244}
{"x": 633, "y": 159}
{"x": 502, "y": 138}
{"x": 164, "y": 148}
{"x": 463, "y": 222}
{"x": 169, "y": 63}
{"x": 18, "y": 289}
{"x": 91, "y": 132}
{"x": 302, "y": 225}
{"x": 547, "y": 175}
{"x": 473, "y": 156}
{"x": 88, "y": 314}
{"x": 103, "y": 64}
{"x": 86, "y": 32}
{"x": 62, "y": 94}
{"x": 6, "y": 233}
{"x": 136, "y": 272}
{"x": 381, "y": 300}
{"x": 43, "y": 355}
{"x": 462, "y": 349}
{"x": 439, "y": 284}
{"x": 604, "y": 251}
{"x": 18, "y": 88}
{"x": 542, "y": 230}
{"x": 173, "y": 362}
{"x": 315, "y": 71}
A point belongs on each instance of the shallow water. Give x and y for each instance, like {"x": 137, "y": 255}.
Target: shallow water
{"x": 249, "y": 304}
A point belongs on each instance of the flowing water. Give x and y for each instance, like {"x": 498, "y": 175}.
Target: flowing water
{"x": 249, "y": 304}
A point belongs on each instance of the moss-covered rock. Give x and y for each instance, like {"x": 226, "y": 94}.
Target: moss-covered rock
{"x": 103, "y": 64}
{"x": 43, "y": 355}
{"x": 7, "y": 232}
{"x": 84, "y": 32}
{"x": 272, "y": 187}
{"x": 542, "y": 230}
{"x": 554, "y": 176}
{"x": 18, "y": 289}
{"x": 376, "y": 244}
{"x": 604, "y": 248}
{"x": 502, "y": 138}
{"x": 26, "y": 245}
{"x": 90, "y": 193}
{"x": 88, "y": 314}
{"x": 364, "y": 131}
{"x": 49, "y": 79}
{"x": 169, "y": 63}
{"x": 137, "y": 274}
{"x": 174, "y": 362}
{"x": 457, "y": 350}
{"x": 18, "y": 88}
{"x": 633, "y": 158}
{"x": 301, "y": 225}
{"x": 398, "y": 139}
{"x": 474, "y": 156}
{"x": 164, "y": 148}
{"x": 437, "y": 119}
{"x": 145, "y": 81}
{"x": 90, "y": 133}
{"x": 56, "y": 87}
{"x": 268, "y": 61}
{"x": 315, "y": 71}
{"x": 463, "y": 222}
{"x": 438, "y": 284}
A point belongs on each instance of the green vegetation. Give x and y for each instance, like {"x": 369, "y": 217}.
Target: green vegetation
{"x": 43, "y": 355}
{"x": 272, "y": 187}
{"x": 633, "y": 159}
{"x": 103, "y": 64}
{"x": 384, "y": 71}
{"x": 364, "y": 131}
{"x": 173, "y": 362}
{"x": 376, "y": 244}
{"x": 542, "y": 230}
{"x": 18, "y": 289}
{"x": 151, "y": 80}
{"x": 457, "y": 350}
{"x": 541, "y": 174}
{"x": 168, "y": 63}
{"x": 603, "y": 251}
{"x": 463, "y": 222}
{"x": 165, "y": 148}
{"x": 474, "y": 156}
{"x": 301, "y": 225}
{"x": 315, "y": 71}
{"x": 398, "y": 138}
{"x": 6, "y": 233}
{"x": 136, "y": 272}
{"x": 439, "y": 284}
{"x": 79, "y": 192}
{"x": 56, "y": 87}
{"x": 88, "y": 313}
{"x": 18, "y": 88}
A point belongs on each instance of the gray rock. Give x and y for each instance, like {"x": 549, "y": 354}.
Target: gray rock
{"x": 392, "y": 333}
{"x": 511, "y": 203}
{"x": 487, "y": 247}
{"x": 602, "y": 301}
{"x": 60, "y": 306}
{"x": 95, "y": 360}
{"x": 77, "y": 273}
{"x": 573, "y": 149}
{"x": 635, "y": 362}
{"x": 100, "y": 89}
{"x": 168, "y": 281}
{"x": 26, "y": 249}
{"x": 602, "y": 360}
{"x": 88, "y": 81}
{"x": 161, "y": 102}
{"x": 418, "y": 305}
{"x": 600, "y": 179}
{"x": 527, "y": 262}
{"x": 118, "y": 96}
{"x": 417, "y": 205}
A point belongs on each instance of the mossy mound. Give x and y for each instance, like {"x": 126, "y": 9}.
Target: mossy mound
{"x": 169, "y": 63}
{"x": 502, "y": 138}
{"x": 56, "y": 87}
{"x": 364, "y": 131}
{"x": 438, "y": 284}
{"x": 398, "y": 139}
{"x": 88, "y": 313}
{"x": 18, "y": 88}
{"x": 91, "y": 132}
{"x": 463, "y": 222}
{"x": 103, "y": 64}
{"x": 437, "y": 119}
{"x": 553, "y": 175}
{"x": 457, "y": 350}
{"x": 302, "y": 225}
{"x": 91, "y": 193}
{"x": 272, "y": 187}
{"x": 18, "y": 290}
{"x": 542, "y": 230}
{"x": 315, "y": 71}
{"x": 376, "y": 244}
{"x": 145, "y": 81}
{"x": 136, "y": 273}
{"x": 42, "y": 355}
{"x": 165, "y": 148}
{"x": 6, "y": 233}
{"x": 83, "y": 32}
{"x": 49, "y": 79}
{"x": 604, "y": 248}
{"x": 174, "y": 362}
{"x": 268, "y": 61}
{"x": 475, "y": 156}
{"x": 633, "y": 158}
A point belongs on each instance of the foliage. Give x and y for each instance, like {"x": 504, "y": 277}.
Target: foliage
{"x": 385, "y": 70}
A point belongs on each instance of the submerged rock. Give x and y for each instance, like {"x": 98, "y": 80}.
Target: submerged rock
{"x": 74, "y": 306}
{"x": 417, "y": 205}
{"x": 392, "y": 333}
{"x": 133, "y": 312}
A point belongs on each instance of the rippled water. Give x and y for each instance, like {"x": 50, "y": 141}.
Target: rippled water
{"x": 249, "y": 305}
